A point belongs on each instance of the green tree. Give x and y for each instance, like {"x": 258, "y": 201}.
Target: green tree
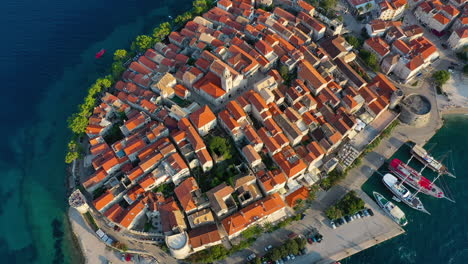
{"x": 275, "y": 254}
{"x": 142, "y": 43}
{"x": 284, "y": 72}
{"x": 220, "y": 146}
{"x": 284, "y": 250}
{"x": 120, "y": 55}
{"x": 333, "y": 212}
{"x": 78, "y": 123}
{"x": 353, "y": 41}
{"x": 301, "y": 242}
{"x": 253, "y": 231}
{"x": 370, "y": 59}
{"x": 441, "y": 77}
{"x": 71, "y": 156}
{"x": 292, "y": 246}
{"x": 161, "y": 32}
{"x": 200, "y": 7}
{"x": 182, "y": 18}
{"x": 368, "y": 6}
{"x": 327, "y": 4}
{"x": 257, "y": 260}
{"x": 350, "y": 203}
{"x": 117, "y": 69}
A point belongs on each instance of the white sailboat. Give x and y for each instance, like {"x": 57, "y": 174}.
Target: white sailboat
{"x": 402, "y": 193}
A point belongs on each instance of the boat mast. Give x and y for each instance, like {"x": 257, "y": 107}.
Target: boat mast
{"x": 404, "y": 179}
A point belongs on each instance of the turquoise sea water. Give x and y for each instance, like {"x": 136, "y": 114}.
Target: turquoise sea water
{"x": 441, "y": 237}
{"x": 47, "y": 63}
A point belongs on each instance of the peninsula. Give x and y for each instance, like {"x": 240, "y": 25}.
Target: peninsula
{"x": 237, "y": 134}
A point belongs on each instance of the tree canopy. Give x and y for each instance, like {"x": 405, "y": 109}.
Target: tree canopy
{"x": 441, "y": 77}
{"x": 142, "y": 43}
{"x": 220, "y": 146}
{"x": 370, "y": 59}
{"x": 182, "y": 18}
{"x": 161, "y": 32}
{"x": 120, "y": 55}
{"x": 354, "y": 41}
{"x": 333, "y": 212}
{"x": 200, "y": 6}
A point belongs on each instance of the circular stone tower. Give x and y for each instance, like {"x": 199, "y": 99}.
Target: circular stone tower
{"x": 415, "y": 110}
{"x": 78, "y": 201}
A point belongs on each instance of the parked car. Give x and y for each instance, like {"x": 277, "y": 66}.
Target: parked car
{"x": 370, "y": 212}
{"x": 310, "y": 241}
{"x": 357, "y": 215}
{"x": 332, "y": 224}
{"x": 292, "y": 235}
{"x": 268, "y": 248}
{"x": 339, "y": 222}
{"x": 292, "y": 256}
{"x": 348, "y": 218}
{"x": 361, "y": 214}
{"x": 366, "y": 214}
{"x": 251, "y": 257}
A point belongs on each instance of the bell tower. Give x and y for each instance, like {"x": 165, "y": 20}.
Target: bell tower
{"x": 226, "y": 80}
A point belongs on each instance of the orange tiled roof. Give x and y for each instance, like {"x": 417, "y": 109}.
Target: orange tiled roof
{"x": 441, "y": 18}
{"x": 184, "y": 194}
{"x": 131, "y": 213}
{"x": 252, "y": 213}
{"x": 202, "y": 117}
{"x": 301, "y": 193}
{"x": 103, "y": 200}
{"x": 236, "y": 110}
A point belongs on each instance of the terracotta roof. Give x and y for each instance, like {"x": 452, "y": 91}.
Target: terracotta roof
{"x": 146, "y": 181}
{"x": 227, "y": 119}
{"x": 115, "y": 213}
{"x": 441, "y": 18}
{"x": 250, "y": 153}
{"x": 401, "y": 45}
{"x": 252, "y": 213}
{"x": 184, "y": 192}
{"x": 103, "y": 200}
{"x": 171, "y": 217}
{"x": 300, "y": 194}
{"x": 263, "y": 47}
{"x": 290, "y": 163}
{"x": 384, "y": 87}
{"x": 379, "y": 45}
{"x": 95, "y": 178}
{"x": 204, "y": 235}
{"x": 202, "y": 117}
{"x": 310, "y": 75}
{"x": 218, "y": 196}
{"x": 462, "y": 33}
{"x": 315, "y": 150}
{"x": 131, "y": 213}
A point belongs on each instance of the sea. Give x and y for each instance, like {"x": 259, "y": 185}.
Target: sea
{"x": 47, "y": 62}
{"x": 439, "y": 238}
{"x": 46, "y": 65}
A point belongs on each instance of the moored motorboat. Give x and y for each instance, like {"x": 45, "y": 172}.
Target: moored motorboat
{"x": 391, "y": 209}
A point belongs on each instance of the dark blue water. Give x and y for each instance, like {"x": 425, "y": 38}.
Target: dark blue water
{"x": 441, "y": 237}
{"x": 46, "y": 64}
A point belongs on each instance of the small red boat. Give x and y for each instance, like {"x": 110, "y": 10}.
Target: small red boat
{"x": 100, "y": 53}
